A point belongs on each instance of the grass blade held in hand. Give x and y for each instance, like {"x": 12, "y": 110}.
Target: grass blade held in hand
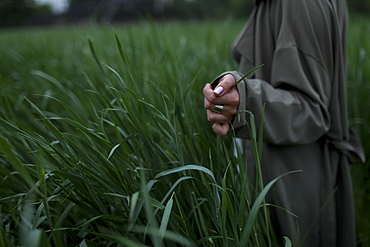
{"x": 250, "y": 72}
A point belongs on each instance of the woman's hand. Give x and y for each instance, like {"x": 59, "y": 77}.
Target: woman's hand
{"x": 221, "y": 103}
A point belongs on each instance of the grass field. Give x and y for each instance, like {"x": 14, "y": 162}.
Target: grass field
{"x": 104, "y": 140}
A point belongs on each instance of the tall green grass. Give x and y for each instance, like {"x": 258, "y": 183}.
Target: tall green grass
{"x": 104, "y": 140}
{"x": 107, "y": 143}
{"x": 359, "y": 104}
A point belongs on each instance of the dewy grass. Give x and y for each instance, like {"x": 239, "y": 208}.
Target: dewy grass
{"x": 112, "y": 147}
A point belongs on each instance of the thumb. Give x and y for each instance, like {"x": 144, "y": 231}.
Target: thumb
{"x": 224, "y": 85}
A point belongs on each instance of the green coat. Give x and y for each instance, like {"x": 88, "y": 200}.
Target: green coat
{"x": 302, "y": 84}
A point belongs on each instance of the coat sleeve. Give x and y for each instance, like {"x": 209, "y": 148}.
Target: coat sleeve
{"x": 297, "y": 96}
{"x": 294, "y": 111}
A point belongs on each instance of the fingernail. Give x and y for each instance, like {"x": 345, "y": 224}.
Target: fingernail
{"x": 218, "y": 90}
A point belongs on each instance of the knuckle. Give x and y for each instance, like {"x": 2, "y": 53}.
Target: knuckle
{"x": 207, "y": 104}
{"x": 234, "y": 101}
{"x": 205, "y": 90}
{"x": 233, "y": 111}
{"x": 212, "y": 97}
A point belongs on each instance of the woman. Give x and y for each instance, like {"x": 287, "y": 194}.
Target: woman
{"x": 301, "y": 44}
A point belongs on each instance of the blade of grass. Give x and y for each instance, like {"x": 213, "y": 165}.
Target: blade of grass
{"x": 247, "y": 74}
{"x": 165, "y": 218}
{"x": 254, "y": 210}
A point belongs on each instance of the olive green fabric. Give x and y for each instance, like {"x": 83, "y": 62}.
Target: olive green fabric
{"x": 302, "y": 85}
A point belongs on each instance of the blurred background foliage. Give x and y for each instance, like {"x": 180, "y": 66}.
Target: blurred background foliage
{"x": 33, "y": 12}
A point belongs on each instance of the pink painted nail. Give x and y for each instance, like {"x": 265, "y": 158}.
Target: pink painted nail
{"x": 219, "y": 90}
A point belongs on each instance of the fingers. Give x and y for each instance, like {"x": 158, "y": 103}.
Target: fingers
{"x": 208, "y": 92}
{"x": 229, "y": 101}
{"x": 224, "y": 116}
{"x": 215, "y": 117}
{"x": 224, "y": 85}
{"x": 221, "y": 129}
{"x": 223, "y": 94}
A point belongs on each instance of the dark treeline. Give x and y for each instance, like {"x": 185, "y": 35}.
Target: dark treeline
{"x": 27, "y": 12}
